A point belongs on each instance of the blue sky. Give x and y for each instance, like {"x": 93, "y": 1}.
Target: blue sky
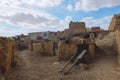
{"x": 25, "y": 16}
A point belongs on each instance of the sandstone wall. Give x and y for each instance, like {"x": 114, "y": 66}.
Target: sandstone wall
{"x": 6, "y": 54}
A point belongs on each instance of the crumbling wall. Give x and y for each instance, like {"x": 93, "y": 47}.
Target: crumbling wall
{"x": 115, "y": 22}
{"x": 117, "y": 38}
{"x": 95, "y": 29}
{"x": 67, "y": 32}
{"x": 107, "y": 44}
{"x": 38, "y": 48}
{"x": 103, "y": 33}
{"x": 66, "y": 49}
{"x": 49, "y": 48}
{"x": 44, "y": 48}
{"x": 77, "y": 27}
{"x": 6, "y": 54}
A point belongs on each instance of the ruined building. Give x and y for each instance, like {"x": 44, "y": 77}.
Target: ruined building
{"x": 97, "y": 29}
{"x": 76, "y": 41}
{"x": 77, "y": 27}
{"x": 115, "y": 22}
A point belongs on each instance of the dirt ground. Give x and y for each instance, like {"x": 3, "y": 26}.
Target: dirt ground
{"x": 33, "y": 66}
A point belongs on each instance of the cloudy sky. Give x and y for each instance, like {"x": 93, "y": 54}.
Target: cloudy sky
{"x": 24, "y": 16}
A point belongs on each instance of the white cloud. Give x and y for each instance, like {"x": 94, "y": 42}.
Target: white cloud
{"x": 40, "y": 3}
{"x": 43, "y": 3}
{"x": 68, "y": 18}
{"x": 29, "y": 22}
{"x": 20, "y": 18}
{"x": 70, "y": 7}
{"x": 102, "y": 22}
{"x": 94, "y": 5}
{"x": 27, "y": 19}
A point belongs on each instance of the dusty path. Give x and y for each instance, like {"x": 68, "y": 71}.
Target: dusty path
{"x": 32, "y": 66}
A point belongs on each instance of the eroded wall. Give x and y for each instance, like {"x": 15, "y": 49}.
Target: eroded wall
{"x": 117, "y": 38}
{"x": 6, "y": 54}
{"x": 44, "y": 48}
{"x": 77, "y": 27}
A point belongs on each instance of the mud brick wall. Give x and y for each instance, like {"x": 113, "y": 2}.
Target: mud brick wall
{"x": 77, "y": 27}
{"x": 30, "y": 45}
{"x": 66, "y": 50}
{"x": 49, "y": 48}
{"x": 44, "y": 48}
{"x": 66, "y": 32}
{"x": 115, "y": 22}
{"x": 6, "y": 54}
{"x": 38, "y": 48}
{"x": 95, "y": 29}
{"x": 117, "y": 38}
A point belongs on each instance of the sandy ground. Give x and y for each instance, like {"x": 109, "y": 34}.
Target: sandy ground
{"x": 32, "y": 66}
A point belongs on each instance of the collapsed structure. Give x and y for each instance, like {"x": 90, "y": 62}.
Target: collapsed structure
{"x": 77, "y": 40}
{"x": 115, "y": 25}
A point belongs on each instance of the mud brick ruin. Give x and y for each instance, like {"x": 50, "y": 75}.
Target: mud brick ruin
{"x": 115, "y": 22}
{"x": 97, "y": 29}
{"x": 7, "y": 56}
{"x": 73, "y": 46}
{"x": 44, "y": 48}
{"x": 76, "y": 41}
{"x": 77, "y": 27}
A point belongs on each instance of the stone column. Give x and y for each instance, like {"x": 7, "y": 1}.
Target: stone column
{"x": 92, "y": 46}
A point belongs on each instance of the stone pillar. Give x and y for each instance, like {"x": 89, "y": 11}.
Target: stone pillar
{"x": 91, "y": 51}
{"x": 92, "y": 46}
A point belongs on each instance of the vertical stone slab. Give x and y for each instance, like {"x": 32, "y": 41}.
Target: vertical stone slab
{"x": 92, "y": 46}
